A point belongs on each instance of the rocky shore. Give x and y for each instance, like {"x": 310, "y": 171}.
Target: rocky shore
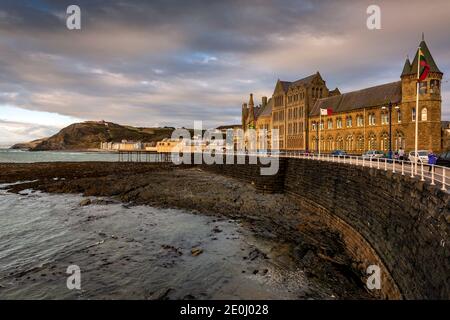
{"x": 316, "y": 248}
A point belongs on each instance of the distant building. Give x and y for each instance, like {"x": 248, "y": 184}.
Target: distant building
{"x": 124, "y": 145}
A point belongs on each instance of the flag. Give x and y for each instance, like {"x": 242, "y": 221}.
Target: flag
{"x": 326, "y": 112}
{"x": 424, "y": 67}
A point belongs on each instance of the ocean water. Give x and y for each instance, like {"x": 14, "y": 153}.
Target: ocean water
{"x": 137, "y": 252}
{"x": 20, "y": 156}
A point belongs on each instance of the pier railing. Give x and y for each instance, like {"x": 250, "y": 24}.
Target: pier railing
{"x": 432, "y": 174}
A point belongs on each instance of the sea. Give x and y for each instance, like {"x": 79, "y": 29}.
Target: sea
{"x": 22, "y": 156}
{"x": 121, "y": 251}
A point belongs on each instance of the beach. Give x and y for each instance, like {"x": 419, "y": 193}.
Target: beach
{"x": 298, "y": 234}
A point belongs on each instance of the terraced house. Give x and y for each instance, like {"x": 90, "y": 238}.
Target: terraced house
{"x": 359, "y": 119}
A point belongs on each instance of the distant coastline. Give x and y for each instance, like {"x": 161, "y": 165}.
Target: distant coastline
{"x": 87, "y": 137}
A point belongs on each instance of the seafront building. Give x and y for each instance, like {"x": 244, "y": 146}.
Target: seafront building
{"x": 358, "y": 120}
{"x": 123, "y": 145}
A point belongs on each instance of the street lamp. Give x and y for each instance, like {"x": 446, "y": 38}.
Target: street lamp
{"x": 389, "y": 107}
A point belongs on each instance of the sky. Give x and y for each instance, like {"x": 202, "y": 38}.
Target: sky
{"x": 169, "y": 63}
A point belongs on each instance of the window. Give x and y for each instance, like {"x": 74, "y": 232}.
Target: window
{"x": 360, "y": 143}
{"x": 349, "y": 122}
{"x": 399, "y": 116}
{"x": 339, "y": 123}
{"x": 399, "y": 140}
{"x": 372, "y": 120}
{"x": 384, "y": 141}
{"x": 313, "y": 126}
{"x": 424, "y": 115}
{"x": 330, "y": 124}
{"x": 359, "y": 121}
{"x": 435, "y": 87}
{"x": 321, "y": 125}
{"x": 371, "y": 142}
{"x": 423, "y": 86}
{"x": 413, "y": 114}
{"x": 349, "y": 143}
{"x": 339, "y": 143}
{"x": 384, "y": 118}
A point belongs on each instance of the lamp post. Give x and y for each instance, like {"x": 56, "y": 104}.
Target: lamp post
{"x": 389, "y": 107}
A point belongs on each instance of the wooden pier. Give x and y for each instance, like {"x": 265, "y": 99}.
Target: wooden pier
{"x": 144, "y": 156}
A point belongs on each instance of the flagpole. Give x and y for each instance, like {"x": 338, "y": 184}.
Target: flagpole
{"x": 320, "y": 128}
{"x": 416, "y": 140}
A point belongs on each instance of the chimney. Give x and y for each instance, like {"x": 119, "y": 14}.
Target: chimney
{"x": 264, "y": 101}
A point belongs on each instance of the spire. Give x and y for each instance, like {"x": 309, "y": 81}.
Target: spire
{"x": 250, "y": 101}
{"x": 426, "y": 52}
{"x": 251, "y": 110}
{"x": 406, "y": 67}
{"x": 423, "y": 36}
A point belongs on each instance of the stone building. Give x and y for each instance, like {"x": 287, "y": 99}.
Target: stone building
{"x": 359, "y": 120}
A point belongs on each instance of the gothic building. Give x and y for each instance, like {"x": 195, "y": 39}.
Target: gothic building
{"x": 359, "y": 119}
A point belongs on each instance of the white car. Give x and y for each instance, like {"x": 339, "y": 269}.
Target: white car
{"x": 423, "y": 156}
{"x": 372, "y": 154}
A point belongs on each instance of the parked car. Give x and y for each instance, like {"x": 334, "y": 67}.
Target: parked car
{"x": 443, "y": 159}
{"x": 338, "y": 153}
{"x": 372, "y": 154}
{"x": 422, "y": 158}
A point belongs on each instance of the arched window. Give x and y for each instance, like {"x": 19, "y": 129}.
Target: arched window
{"x": 372, "y": 141}
{"x": 339, "y": 143}
{"x": 384, "y": 141}
{"x": 360, "y": 143}
{"x": 424, "y": 115}
{"x": 399, "y": 141}
{"x": 330, "y": 143}
{"x": 349, "y": 121}
{"x": 349, "y": 143}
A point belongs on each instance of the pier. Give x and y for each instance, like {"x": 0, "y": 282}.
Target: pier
{"x": 143, "y": 156}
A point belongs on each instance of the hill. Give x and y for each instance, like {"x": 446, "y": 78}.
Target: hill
{"x": 89, "y": 134}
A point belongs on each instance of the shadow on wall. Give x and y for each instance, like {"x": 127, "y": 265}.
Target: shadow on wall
{"x": 394, "y": 221}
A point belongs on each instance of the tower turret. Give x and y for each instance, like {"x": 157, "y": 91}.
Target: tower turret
{"x": 244, "y": 115}
{"x": 251, "y": 112}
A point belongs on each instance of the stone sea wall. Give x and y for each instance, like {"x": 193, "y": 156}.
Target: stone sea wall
{"x": 396, "y": 222}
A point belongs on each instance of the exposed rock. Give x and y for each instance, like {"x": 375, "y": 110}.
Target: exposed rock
{"x": 85, "y": 202}
{"x": 196, "y": 251}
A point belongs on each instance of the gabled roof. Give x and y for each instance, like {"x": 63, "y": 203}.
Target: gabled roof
{"x": 267, "y": 109}
{"x": 428, "y": 58}
{"x": 369, "y": 97}
{"x": 304, "y": 81}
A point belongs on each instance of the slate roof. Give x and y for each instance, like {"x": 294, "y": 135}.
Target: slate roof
{"x": 369, "y": 97}
{"x": 287, "y": 84}
{"x": 267, "y": 110}
{"x": 428, "y": 57}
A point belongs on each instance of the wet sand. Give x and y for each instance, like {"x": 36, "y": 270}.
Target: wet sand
{"x": 299, "y": 233}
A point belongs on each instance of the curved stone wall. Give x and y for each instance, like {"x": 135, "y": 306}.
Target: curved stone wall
{"x": 394, "y": 221}
{"x": 404, "y": 220}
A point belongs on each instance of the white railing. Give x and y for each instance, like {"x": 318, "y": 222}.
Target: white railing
{"x": 432, "y": 174}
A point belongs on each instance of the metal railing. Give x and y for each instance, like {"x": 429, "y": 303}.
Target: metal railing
{"x": 432, "y": 174}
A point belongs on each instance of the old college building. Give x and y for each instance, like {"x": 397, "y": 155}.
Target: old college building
{"x": 359, "y": 120}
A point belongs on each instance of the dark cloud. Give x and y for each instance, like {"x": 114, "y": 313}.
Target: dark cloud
{"x": 171, "y": 62}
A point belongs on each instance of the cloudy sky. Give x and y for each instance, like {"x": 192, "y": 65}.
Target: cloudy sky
{"x": 156, "y": 63}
